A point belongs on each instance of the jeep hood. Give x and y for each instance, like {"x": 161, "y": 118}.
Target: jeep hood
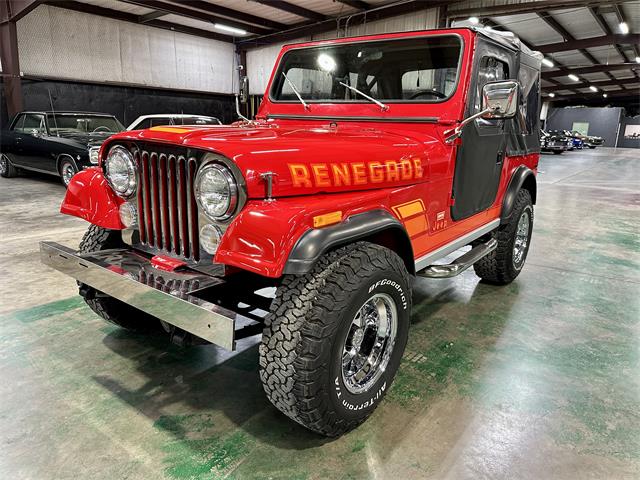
{"x": 307, "y": 160}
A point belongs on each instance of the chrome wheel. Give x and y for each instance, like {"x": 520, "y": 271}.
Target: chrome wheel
{"x": 68, "y": 171}
{"x": 369, "y": 343}
{"x": 522, "y": 238}
{"x": 4, "y": 164}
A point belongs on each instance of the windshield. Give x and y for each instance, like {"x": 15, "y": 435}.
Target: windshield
{"x": 65, "y": 123}
{"x": 415, "y": 70}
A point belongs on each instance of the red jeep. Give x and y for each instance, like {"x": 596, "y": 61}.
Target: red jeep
{"x": 370, "y": 160}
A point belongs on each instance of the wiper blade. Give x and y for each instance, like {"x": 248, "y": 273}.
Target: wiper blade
{"x": 382, "y": 106}
{"x": 295, "y": 90}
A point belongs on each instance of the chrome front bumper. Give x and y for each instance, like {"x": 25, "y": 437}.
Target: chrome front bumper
{"x": 168, "y": 296}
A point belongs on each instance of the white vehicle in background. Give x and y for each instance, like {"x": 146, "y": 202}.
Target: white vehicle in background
{"x": 148, "y": 121}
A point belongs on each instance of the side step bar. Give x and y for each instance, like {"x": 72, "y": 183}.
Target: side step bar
{"x": 461, "y": 263}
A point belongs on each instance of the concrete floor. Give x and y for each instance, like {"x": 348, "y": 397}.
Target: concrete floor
{"x": 539, "y": 379}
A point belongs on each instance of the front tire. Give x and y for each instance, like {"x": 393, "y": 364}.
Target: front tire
{"x": 111, "y": 309}
{"x": 7, "y": 170}
{"x": 505, "y": 263}
{"x": 67, "y": 171}
{"x": 334, "y": 338}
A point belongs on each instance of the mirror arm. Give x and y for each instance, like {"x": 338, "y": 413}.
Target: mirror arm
{"x": 451, "y": 135}
{"x": 242, "y": 117}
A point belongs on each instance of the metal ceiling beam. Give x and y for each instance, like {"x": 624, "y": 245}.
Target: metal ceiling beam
{"x": 594, "y": 69}
{"x": 294, "y": 9}
{"x": 629, "y": 39}
{"x": 606, "y": 29}
{"x": 151, "y": 16}
{"x": 187, "y": 12}
{"x": 606, "y": 83}
{"x": 527, "y": 7}
{"x": 377, "y": 13}
{"x": 14, "y": 10}
{"x": 568, "y": 37}
{"x": 131, "y": 18}
{"x": 231, "y": 13}
{"x": 357, "y": 4}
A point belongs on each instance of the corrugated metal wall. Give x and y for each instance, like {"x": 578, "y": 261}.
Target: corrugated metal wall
{"x": 55, "y": 42}
{"x": 260, "y": 60}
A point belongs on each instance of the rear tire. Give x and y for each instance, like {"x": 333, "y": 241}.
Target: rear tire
{"x": 7, "y": 170}
{"x": 505, "y": 263}
{"x": 111, "y": 309}
{"x": 353, "y": 307}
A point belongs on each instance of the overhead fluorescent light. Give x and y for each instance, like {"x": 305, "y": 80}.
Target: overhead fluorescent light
{"x": 604, "y": 95}
{"x": 637, "y": 59}
{"x": 227, "y": 28}
{"x": 548, "y": 62}
{"x": 624, "y": 28}
{"x": 592, "y": 88}
{"x": 573, "y": 77}
{"x": 473, "y": 20}
{"x": 552, "y": 94}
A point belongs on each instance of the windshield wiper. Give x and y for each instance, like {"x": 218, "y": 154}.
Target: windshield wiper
{"x": 295, "y": 90}
{"x": 382, "y": 106}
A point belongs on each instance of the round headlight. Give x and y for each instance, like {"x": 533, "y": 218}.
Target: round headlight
{"x": 216, "y": 191}
{"x": 120, "y": 171}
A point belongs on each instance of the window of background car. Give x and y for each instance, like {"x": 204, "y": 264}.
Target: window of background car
{"x": 33, "y": 123}
{"x": 60, "y": 123}
{"x": 415, "y": 70}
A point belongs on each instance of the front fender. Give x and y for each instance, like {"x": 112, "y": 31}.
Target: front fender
{"x": 263, "y": 236}
{"x": 89, "y": 197}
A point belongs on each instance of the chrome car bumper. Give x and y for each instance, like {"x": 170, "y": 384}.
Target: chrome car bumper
{"x": 168, "y": 296}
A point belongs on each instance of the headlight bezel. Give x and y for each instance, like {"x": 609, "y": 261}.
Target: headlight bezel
{"x": 132, "y": 186}
{"x": 94, "y": 152}
{"x": 233, "y": 186}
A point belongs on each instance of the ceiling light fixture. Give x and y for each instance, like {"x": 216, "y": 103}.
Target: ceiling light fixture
{"x": 592, "y": 88}
{"x": 637, "y": 59}
{"x": 473, "y": 20}
{"x": 624, "y": 28}
{"x": 604, "y": 95}
{"x": 552, "y": 94}
{"x": 573, "y": 77}
{"x": 548, "y": 62}
{"x": 227, "y": 28}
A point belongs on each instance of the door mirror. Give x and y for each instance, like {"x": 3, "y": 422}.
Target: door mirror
{"x": 501, "y": 99}
{"x": 244, "y": 89}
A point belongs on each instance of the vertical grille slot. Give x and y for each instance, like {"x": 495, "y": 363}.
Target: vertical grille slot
{"x": 168, "y": 213}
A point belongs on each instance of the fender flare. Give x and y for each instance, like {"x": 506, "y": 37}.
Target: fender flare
{"x": 522, "y": 177}
{"x": 315, "y": 242}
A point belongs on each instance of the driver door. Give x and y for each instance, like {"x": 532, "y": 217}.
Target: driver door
{"x": 481, "y": 154}
{"x": 35, "y": 144}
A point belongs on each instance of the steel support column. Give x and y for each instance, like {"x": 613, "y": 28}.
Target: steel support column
{"x": 10, "y": 67}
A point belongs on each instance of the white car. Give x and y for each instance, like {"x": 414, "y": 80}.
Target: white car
{"x": 148, "y": 121}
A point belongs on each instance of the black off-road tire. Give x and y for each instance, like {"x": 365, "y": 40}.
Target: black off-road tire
{"x": 7, "y": 170}
{"x": 500, "y": 267}
{"x": 111, "y": 309}
{"x": 304, "y": 334}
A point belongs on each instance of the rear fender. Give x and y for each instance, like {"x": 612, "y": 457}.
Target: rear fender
{"x": 89, "y": 197}
{"x": 522, "y": 177}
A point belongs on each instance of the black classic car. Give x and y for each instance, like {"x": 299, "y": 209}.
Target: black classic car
{"x": 553, "y": 142}
{"x": 57, "y": 143}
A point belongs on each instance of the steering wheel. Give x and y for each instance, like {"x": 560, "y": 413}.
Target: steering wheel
{"x": 435, "y": 93}
{"x": 101, "y": 128}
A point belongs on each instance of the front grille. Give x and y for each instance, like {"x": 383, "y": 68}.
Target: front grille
{"x": 167, "y": 210}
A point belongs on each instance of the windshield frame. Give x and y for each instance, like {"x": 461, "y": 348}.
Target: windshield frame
{"x": 49, "y": 120}
{"x": 277, "y": 71}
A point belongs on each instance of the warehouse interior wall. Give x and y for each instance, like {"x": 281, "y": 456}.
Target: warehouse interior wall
{"x": 603, "y": 122}
{"x": 125, "y": 103}
{"x": 60, "y": 43}
{"x": 260, "y": 60}
{"x": 629, "y": 133}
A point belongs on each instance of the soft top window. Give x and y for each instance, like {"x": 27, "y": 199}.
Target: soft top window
{"x": 421, "y": 69}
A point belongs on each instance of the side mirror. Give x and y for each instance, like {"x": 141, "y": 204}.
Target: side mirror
{"x": 244, "y": 89}
{"x": 500, "y": 99}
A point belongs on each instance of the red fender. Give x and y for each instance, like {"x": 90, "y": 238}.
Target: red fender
{"x": 90, "y": 197}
